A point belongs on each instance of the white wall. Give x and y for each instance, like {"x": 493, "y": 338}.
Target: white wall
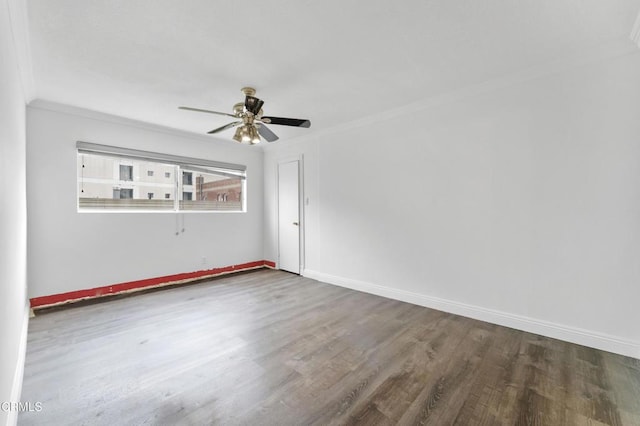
{"x": 13, "y": 219}
{"x": 519, "y": 206}
{"x": 69, "y": 251}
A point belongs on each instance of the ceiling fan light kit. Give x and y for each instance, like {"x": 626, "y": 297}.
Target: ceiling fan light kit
{"x": 247, "y": 134}
{"x": 252, "y": 122}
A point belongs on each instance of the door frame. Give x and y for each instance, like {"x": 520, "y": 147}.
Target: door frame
{"x": 301, "y": 207}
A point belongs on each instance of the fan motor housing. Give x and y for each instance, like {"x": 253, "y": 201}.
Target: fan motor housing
{"x": 248, "y": 91}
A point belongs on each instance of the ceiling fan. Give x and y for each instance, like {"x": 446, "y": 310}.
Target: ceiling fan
{"x": 251, "y": 122}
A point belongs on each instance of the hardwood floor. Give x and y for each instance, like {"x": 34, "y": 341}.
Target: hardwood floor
{"x": 272, "y": 348}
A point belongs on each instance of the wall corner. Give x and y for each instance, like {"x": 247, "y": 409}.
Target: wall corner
{"x": 19, "y": 22}
{"x": 635, "y": 32}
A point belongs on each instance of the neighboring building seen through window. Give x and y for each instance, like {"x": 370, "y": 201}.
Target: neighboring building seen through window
{"x": 115, "y": 184}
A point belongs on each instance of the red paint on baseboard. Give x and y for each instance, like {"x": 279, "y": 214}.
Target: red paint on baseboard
{"x": 72, "y": 296}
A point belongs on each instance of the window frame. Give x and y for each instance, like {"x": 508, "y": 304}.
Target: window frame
{"x": 188, "y": 164}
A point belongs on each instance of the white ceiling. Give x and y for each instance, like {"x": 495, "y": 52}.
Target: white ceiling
{"x": 331, "y": 61}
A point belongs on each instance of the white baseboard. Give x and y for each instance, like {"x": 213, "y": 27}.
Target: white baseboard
{"x": 545, "y": 328}
{"x": 16, "y": 390}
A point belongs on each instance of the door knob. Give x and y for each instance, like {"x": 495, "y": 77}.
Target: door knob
{"x": 295, "y": 223}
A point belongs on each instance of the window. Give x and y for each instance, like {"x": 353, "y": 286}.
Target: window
{"x": 126, "y": 172}
{"x": 122, "y": 193}
{"x": 212, "y": 191}
{"x": 187, "y": 178}
{"x": 106, "y": 182}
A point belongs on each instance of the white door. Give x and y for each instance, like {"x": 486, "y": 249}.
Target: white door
{"x": 288, "y": 217}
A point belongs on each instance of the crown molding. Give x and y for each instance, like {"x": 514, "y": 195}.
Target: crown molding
{"x": 19, "y": 24}
{"x": 635, "y": 32}
{"x": 42, "y": 104}
{"x": 605, "y": 51}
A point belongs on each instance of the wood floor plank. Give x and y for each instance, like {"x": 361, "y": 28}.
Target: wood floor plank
{"x": 446, "y": 389}
{"x": 274, "y": 348}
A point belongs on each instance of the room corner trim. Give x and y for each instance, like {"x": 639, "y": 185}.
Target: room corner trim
{"x": 579, "y": 336}
{"x": 144, "y": 284}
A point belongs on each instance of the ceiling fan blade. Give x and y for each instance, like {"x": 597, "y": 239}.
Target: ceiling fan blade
{"x": 253, "y": 104}
{"x": 296, "y": 122}
{"x": 266, "y": 133}
{"x": 225, "y": 127}
{"x": 206, "y": 110}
